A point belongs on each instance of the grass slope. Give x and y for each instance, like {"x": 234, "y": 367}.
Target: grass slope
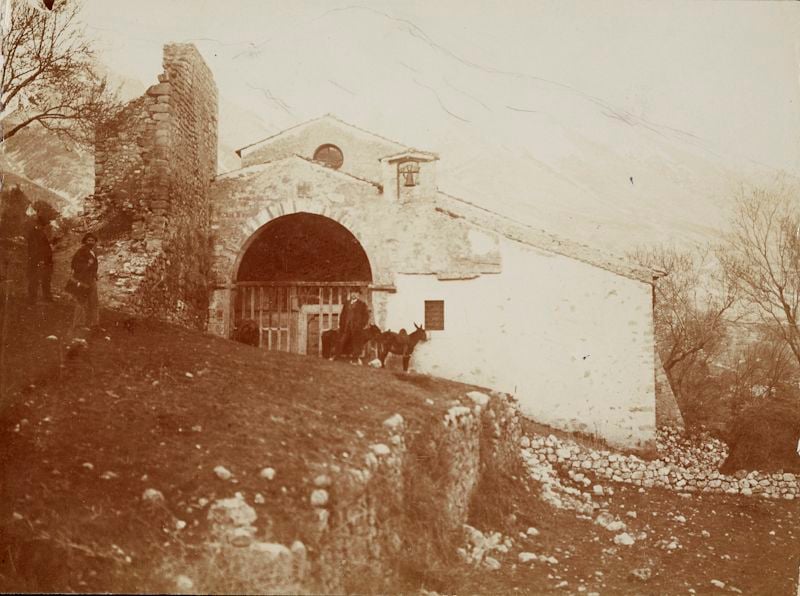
{"x": 79, "y": 444}
{"x": 161, "y": 408}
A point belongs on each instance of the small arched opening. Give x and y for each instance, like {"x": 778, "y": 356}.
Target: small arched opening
{"x": 292, "y": 280}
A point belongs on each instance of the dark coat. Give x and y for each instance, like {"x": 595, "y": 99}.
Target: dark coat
{"x": 39, "y": 249}
{"x": 354, "y": 317}
{"x": 84, "y": 265}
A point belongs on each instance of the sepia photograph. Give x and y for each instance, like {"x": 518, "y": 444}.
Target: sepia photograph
{"x": 449, "y": 297}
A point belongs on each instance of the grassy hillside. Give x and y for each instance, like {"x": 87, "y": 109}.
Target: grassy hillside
{"x": 83, "y": 433}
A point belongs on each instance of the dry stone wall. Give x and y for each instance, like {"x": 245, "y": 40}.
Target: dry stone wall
{"x": 687, "y": 465}
{"x": 153, "y": 168}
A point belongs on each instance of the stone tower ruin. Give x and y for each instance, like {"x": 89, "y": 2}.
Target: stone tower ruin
{"x": 153, "y": 167}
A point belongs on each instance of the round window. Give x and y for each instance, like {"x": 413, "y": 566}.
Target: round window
{"x": 330, "y": 155}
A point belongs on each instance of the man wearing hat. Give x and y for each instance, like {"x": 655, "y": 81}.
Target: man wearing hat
{"x": 40, "y": 260}
{"x": 352, "y": 320}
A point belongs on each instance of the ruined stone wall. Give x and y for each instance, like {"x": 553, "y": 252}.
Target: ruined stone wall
{"x": 361, "y": 527}
{"x": 684, "y": 464}
{"x": 154, "y": 166}
{"x": 364, "y": 515}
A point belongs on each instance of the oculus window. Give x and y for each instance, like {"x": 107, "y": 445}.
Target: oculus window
{"x": 330, "y": 155}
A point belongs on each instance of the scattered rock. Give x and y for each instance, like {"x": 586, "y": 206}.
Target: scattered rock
{"x": 109, "y": 475}
{"x": 151, "y": 495}
{"x": 380, "y": 449}
{"x": 52, "y": 338}
{"x": 319, "y": 498}
{"x": 624, "y": 539}
{"x": 184, "y": 584}
{"x": 259, "y": 499}
{"x": 532, "y": 531}
{"x": 525, "y": 557}
{"x": 718, "y": 584}
{"x": 478, "y": 398}
{"x": 322, "y": 481}
{"x": 643, "y": 574}
{"x": 223, "y": 473}
{"x": 268, "y": 473}
{"x": 180, "y": 524}
{"x": 394, "y": 423}
{"x": 491, "y": 563}
{"x": 88, "y": 465}
{"x": 631, "y": 514}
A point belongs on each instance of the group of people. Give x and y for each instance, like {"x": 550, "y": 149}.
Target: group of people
{"x": 83, "y": 281}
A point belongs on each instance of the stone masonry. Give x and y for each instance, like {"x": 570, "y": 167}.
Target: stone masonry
{"x": 153, "y": 168}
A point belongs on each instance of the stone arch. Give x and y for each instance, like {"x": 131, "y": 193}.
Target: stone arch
{"x": 252, "y": 226}
{"x": 303, "y": 247}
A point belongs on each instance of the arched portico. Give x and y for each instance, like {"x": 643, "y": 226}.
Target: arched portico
{"x": 291, "y": 278}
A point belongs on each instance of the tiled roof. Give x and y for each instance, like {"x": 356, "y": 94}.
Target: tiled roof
{"x": 542, "y": 239}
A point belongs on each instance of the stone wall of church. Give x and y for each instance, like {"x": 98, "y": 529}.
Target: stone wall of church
{"x": 411, "y": 238}
{"x": 153, "y": 168}
{"x": 572, "y": 342}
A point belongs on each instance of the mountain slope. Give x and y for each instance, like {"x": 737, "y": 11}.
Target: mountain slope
{"x": 534, "y": 149}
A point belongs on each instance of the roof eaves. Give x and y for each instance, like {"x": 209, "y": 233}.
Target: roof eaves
{"x": 279, "y": 133}
{"x": 522, "y": 232}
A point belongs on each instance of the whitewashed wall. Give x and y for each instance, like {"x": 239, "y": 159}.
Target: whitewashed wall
{"x": 573, "y": 342}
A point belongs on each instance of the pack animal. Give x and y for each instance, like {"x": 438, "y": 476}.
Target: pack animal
{"x": 331, "y": 337}
{"x": 247, "y": 332}
{"x": 400, "y": 343}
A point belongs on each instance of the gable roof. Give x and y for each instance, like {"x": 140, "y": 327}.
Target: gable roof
{"x": 307, "y": 123}
{"x": 514, "y": 230}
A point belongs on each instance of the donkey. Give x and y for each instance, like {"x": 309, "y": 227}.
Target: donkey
{"x": 400, "y": 343}
{"x": 356, "y": 344}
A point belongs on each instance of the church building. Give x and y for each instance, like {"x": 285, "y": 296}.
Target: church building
{"x": 325, "y": 206}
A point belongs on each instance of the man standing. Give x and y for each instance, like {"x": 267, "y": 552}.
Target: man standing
{"x": 40, "y": 261}
{"x": 352, "y": 320}
{"x": 84, "y": 271}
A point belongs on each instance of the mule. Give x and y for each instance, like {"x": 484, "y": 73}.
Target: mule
{"x": 400, "y": 343}
{"x": 247, "y": 332}
{"x": 357, "y": 343}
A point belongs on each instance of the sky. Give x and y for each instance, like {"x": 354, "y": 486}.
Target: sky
{"x": 725, "y": 71}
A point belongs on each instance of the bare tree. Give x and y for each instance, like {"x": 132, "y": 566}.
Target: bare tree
{"x": 763, "y": 258}
{"x": 49, "y": 74}
{"x": 763, "y": 367}
{"x": 692, "y": 302}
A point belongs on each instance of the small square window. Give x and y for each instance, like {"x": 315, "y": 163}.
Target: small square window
{"x": 434, "y": 315}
